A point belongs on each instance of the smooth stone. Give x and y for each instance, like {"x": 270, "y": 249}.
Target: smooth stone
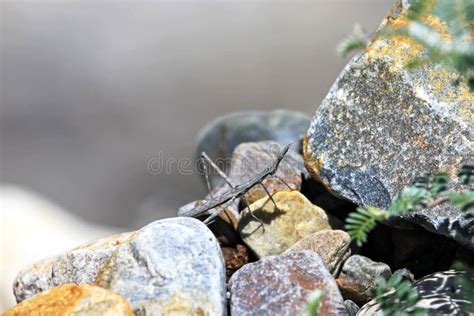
{"x": 440, "y": 293}
{"x": 358, "y": 266}
{"x": 79, "y": 265}
{"x": 73, "y": 300}
{"x": 382, "y": 125}
{"x": 281, "y": 285}
{"x": 220, "y": 137}
{"x": 331, "y": 245}
{"x": 294, "y": 219}
{"x": 171, "y": 266}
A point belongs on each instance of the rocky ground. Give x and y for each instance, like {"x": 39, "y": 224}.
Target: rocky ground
{"x": 380, "y": 127}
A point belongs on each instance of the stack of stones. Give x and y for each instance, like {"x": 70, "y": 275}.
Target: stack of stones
{"x": 379, "y": 127}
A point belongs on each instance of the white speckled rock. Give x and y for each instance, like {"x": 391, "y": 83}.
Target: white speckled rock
{"x": 171, "y": 266}
{"x": 79, "y": 265}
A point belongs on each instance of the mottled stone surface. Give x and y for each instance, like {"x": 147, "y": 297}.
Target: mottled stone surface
{"x": 281, "y": 285}
{"x": 170, "y": 266}
{"x": 221, "y": 136}
{"x": 74, "y": 300}
{"x": 381, "y": 126}
{"x": 358, "y": 266}
{"x": 439, "y": 293}
{"x": 295, "y": 218}
{"x": 331, "y": 245}
{"x": 79, "y": 265}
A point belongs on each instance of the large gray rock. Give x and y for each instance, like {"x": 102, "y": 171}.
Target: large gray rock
{"x": 221, "y": 136}
{"x": 80, "y": 265}
{"x": 171, "y": 266}
{"x": 281, "y": 285}
{"x": 382, "y": 125}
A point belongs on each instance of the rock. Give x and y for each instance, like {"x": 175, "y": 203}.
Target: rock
{"x": 382, "y": 125}
{"x": 234, "y": 259}
{"x": 80, "y": 265}
{"x": 355, "y": 289}
{"x": 220, "y": 137}
{"x": 351, "y": 307}
{"x": 281, "y": 285}
{"x": 358, "y": 266}
{"x": 331, "y": 245}
{"x": 294, "y": 219}
{"x": 46, "y": 230}
{"x": 440, "y": 293}
{"x": 169, "y": 266}
{"x": 73, "y": 299}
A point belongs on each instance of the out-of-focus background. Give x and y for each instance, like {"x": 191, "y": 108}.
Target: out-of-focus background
{"x": 91, "y": 90}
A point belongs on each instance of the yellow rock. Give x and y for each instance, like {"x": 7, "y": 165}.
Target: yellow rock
{"x": 73, "y": 299}
{"x": 295, "y": 218}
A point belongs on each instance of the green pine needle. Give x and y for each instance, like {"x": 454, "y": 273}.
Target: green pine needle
{"x": 362, "y": 221}
{"x": 357, "y": 40}
{"x": 314, "y": 302}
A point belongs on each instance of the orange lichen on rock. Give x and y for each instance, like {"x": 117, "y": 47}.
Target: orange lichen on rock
{"x": 73, "y": 299}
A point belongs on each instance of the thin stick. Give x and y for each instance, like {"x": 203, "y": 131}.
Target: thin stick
{"x": 284, "y": 182}
{"x": 269, "y": 195}
{"x": 219, "y": 171}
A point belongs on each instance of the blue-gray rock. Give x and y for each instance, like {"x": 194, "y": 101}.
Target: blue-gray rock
{"x": 220, "y": 137}
{"x": 171, "y": 266}
{"x": 440, "y": 293}
{"x": 281, "y": 285}
{"x": 382, "y": 125}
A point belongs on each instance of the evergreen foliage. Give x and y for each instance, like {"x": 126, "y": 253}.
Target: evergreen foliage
{"x": 397, "y": 297}
{"x": 314, "y": 302}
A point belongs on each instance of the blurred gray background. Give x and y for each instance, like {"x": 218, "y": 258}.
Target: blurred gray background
{"x": 91, "y": 90}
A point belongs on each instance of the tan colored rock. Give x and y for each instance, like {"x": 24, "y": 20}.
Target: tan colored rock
{"x": 331, "y": 245}
{"x": 73, "y": 299}
{"x": 79, "y": 265}
{"x": 295, "y": 218}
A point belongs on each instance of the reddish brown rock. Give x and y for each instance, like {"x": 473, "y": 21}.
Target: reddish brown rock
{"x": 353, "y": 289}
{"x": 234, "y": 259}
{"x": 281, "y": 285}
{"x": 73, "y": 300}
